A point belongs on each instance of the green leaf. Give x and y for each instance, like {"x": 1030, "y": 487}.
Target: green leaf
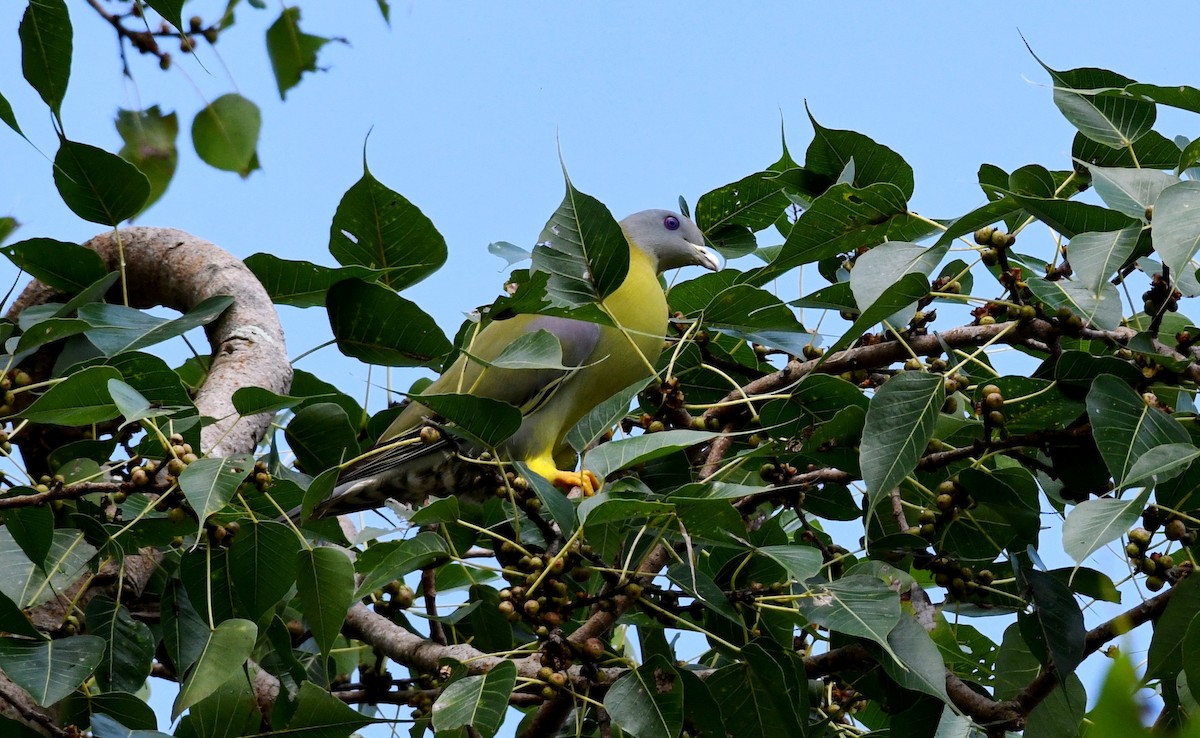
{"x": 615, "y": 455}
{"x": 1167, "y": 657}
{"x": 227, "y": 712}
{"x": 478, "y": 701}
{"x": 855, "y": 605}
{"x": 98, "y": 186}
{"x": 1071, "y": 218}
{"x": 14, "y": 621}
{"x": 488, "y": 421}
{"x": 392, "y": 560}
{"x": 65, "y": 266}
{"x": 538, "y": 350}
{"x": 754, "y": 314}
{"x": 1118, "y": 712}
{"x": 878, "y": 269}
{"x": 378, "y": 228}
{"x": 319, "y": 714}
{"x": 900, "y": 423}
{"x": 116, "y": 329}
{"x": 800, "y": 562}
{"x": 170, "y": 10}
{"x": 1176, "y": 232}
{"x": 762, "y": 695}
{"x": 325, "y": 581}
{"x": 128, "y": 646}
{"x": 33, "y": 530}
{"x": 225, "y": 134}
{"x": 841, "y": 219}
{"x": 29, "y": 585}
{"x": 1130, "y": 191}
{"x": 51, "y": 670}
{"x": 1151, "y": 151}
{"x": 1098, "y": 305}
{"x": 301, "y": 283}
{"x": 1095, "y": 257}
{"x": 647, "y": 702}
{"x": 907, "y": 290}
{"x": 603, "y": 417}
{"x": 582, "y": 249}
{"x": 918, "y": 665}
{"x": 832, "y": 152}
{"x": 1125, "y": 427}
{"x": 1059, "y": 619}
{"x": 375, "y": 325}
{"x": 321, "y": 436}
{"x": 6, "y": 115}
{"x": 1112, "y": 121}
{"x": 45, "y": 34}
{"x": 292, "y": 51}
{"x": 80, "y": 399}
{"x": 562, "y": 510}
{"x": 222, "y": 658}
{"x": 149, "y": 138}
{"x": 133, "y": 406}
{"x": 1160, "y": 464}
{"x": 210, "y": 483}
{"x": 255, "y": 400}
{"x": 262, "y": 566}
{"x": 1093, "y": 523}
{"x": 509, "y": 252}
{"x": 750, "y": 204}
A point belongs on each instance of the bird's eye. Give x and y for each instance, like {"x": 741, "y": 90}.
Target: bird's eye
{"x": 671, "y": 223}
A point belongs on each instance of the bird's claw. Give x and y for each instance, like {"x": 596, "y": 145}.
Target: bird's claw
{"x": 587, "y": 482}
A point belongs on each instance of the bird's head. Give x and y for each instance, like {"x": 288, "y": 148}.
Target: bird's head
{"x": 669, "y": 239}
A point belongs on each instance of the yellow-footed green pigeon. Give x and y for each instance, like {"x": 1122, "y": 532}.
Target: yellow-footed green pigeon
{"x": 408, "y": 469}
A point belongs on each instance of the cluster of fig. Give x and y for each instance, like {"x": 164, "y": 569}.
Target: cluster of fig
{"x": 843, "y": 700}
{"x": 560, "y": 583}
{"x": 393, "y": 598}
{"x": 8, "y": 380}
{"x": 950, "y": 498}
{"x": 1156, "y": 566}
{"x": 991, "y": 407}
{"x": 994, "y": 242}
{"x": 1160, "y": 296}
{"x": 960, "y": 581}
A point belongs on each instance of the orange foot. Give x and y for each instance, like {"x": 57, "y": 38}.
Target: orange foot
{"x": 586, "y": 481}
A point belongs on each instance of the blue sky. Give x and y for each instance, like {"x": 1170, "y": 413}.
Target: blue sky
{"x": 467, "y": 105}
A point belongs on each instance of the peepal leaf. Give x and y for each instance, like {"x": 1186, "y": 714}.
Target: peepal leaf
{"x": 856, "y": 605}
{"x": 211, "y": 482}
{"x": 374, "y": 324}
{"x": 325, "y": 580}
{"x": 900, "y": 422}
{"x": 98, "y": 186}
{"x": 80, "y": 399}
{"x": 292, "y": 51}
{"x": 378, "y": 228}
{"x": 221, "y": 659}
{"x": 878, "y": 269}
{"x": 51, "y": 670}
{"x": 1127, "y": 190}
{"x": 45, "y": 34}
{"x": 615, "y": 455}
{"x": 583, "y": 250}
{"x": 1176, "y": 231}
{"x": 1093, "y": 523}
{"x": 1125, "y": 427}
{"x": 478, "y": 701}
{"x": 488, "y": 421}
{"x": 225, "y": 134}
{"x": 647, "y": 702}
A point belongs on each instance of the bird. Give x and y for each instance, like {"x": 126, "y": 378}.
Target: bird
{"x": 412, "y": 460}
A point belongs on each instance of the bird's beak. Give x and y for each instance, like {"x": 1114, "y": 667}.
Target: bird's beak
{"x": 706, "y": 257}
